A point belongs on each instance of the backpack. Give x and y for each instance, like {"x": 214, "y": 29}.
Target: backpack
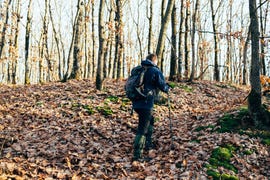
{"x": 134, "y": 85}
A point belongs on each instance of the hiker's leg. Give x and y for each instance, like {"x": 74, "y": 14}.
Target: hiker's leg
{"x": 139, "y": 142}
{"x": 149, "y": 143}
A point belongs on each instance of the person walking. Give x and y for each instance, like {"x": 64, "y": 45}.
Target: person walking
{"x": 153, "y": 82}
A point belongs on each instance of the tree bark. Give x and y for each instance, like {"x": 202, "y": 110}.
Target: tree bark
{"x": 44, "y": 50}
{"x": 186, "y": 45}
{"x": 216, "y": 69}
{"x": 101, "y": 32}
{"x": 254, "y": 98}
{"x": 180, "y": 53}
{"x": 4, "y": 29}
{"x": 76, "y": 72}
{"x": 119, "y": 48}
{"x": 194, "y": 21}
{"x": 58, "y": 41}
{"x": 93, "y": 69}
{"x": 27, "y": 42}
{"x": 173, "y": 65}
{"x": 150, "y": 19}
{"x": 163, "y": 29}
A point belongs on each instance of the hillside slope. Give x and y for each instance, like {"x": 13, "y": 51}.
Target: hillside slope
{"x": 70, "y": 130}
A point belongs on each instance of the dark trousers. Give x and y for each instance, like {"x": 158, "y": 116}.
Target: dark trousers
{"x": 146, "y": 119}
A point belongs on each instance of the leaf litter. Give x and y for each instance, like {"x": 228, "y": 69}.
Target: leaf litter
{"x": 58, "y": 131}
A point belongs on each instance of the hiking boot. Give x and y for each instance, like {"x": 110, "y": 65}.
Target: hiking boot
{"x": 139, "y": 143}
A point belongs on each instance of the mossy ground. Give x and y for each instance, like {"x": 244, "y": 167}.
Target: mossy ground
{"x": 235, "y": 122}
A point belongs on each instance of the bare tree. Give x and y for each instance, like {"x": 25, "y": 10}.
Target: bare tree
{"x": 76, "y": 72}
{"x": 263, "y": 22}
{"x": 87, "y": 64}
{"x": 180, "y": 52}
{"x": 216, "y": 65}
{"x": 93, "y": 71}
{"x": 163, "y": 29}
{"x": 44, "y": 49}
{"x": 186, "y": 40}
{"x": 4, "y": 29}
{"x": 101, "y": 32}
{"x": 59, "y": 44}
{"x": 13, "y": 44}
{"x": 150, "y": 19}
{"x": 254, "y": 97}
{"x": 119, "y": 38}
{"x": 27, "y": 42}
{"x": 173, "y": 67}
{"x": 194, "y": 20}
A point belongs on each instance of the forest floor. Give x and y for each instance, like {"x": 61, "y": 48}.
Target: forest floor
{"x": 73, "y": 131}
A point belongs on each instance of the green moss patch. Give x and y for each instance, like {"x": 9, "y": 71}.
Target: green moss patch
{"x": 241, "y": 123}
{"x": 221, "y": 156}
{"x": 186, "y": 88}
{"x": 217, "y": 176}
{"x": 113, "y": 99}
{"x": 105, "y": 110}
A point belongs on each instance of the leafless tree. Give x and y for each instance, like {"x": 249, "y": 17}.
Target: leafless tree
{"x": 173, "y": 64}
{"x": 163, "y": 29}
{"x": 254, "y": 97}
{"x": 27, "y": 42}
{"x": 101, "y": 32}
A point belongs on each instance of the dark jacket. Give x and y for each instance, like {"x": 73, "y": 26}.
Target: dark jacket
{"x": 153, "y": 80}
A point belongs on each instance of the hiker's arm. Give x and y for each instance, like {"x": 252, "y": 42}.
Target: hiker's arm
{"x": 162, "y": 85}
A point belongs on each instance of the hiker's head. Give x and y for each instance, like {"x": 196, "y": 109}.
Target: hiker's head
{"x": 152, "y": 57}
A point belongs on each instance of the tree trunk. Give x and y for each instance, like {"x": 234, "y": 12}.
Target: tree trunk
{"x": 119, "y": 48}
{"x": 13, "y": 47}
{"x": 245, "y": 57}
{"x": 4, "y": 29}
{"x": 58, "y": 40}
{"x": 180, "y": 54}
{"x": 86, "y": 38}
{"x": 254, "y": 98}
{"x": 76, "y": 72}
{"x": 71, "y": 48}
{"x": 216, "y": 69}
{"x": 27, "y": 42}
{"x": 150, "y": 19}
{"x": 194, "y": 21}
{"x": 44, "y": 50}
{"x": 93, "y": 69}
{"x": 263, "y": 22}
{"x": 187, "y": 48}
{"x": 229, "y": 44}
{"x": 101, "y": 32}
{"x": 163, "y": 29}
{"x": 173, "y": 66}
{"x": 108, "y": 63}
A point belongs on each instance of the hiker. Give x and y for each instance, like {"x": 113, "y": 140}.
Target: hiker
{"x": 153, "y": 82}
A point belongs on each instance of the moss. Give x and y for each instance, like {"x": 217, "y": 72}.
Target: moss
{"x": 105, "y": 110}
{"x": 90, "y": 110}
{"x": 266, "y": 141}
{"x": 172, "y": 84}
{"x": 201, "y": 128}
{"x": 113, "y": 99}
{"x": 248, "y": 152}
{"x": 221, "y": 154}
{"x": 235, "y": 122}
{"x": 214, "y": 174}
{"x": 221, "y": 157}
{"x": 228, "y": 123}
{"x": 186, "y": 88}
{"x": 228, "y": 177}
